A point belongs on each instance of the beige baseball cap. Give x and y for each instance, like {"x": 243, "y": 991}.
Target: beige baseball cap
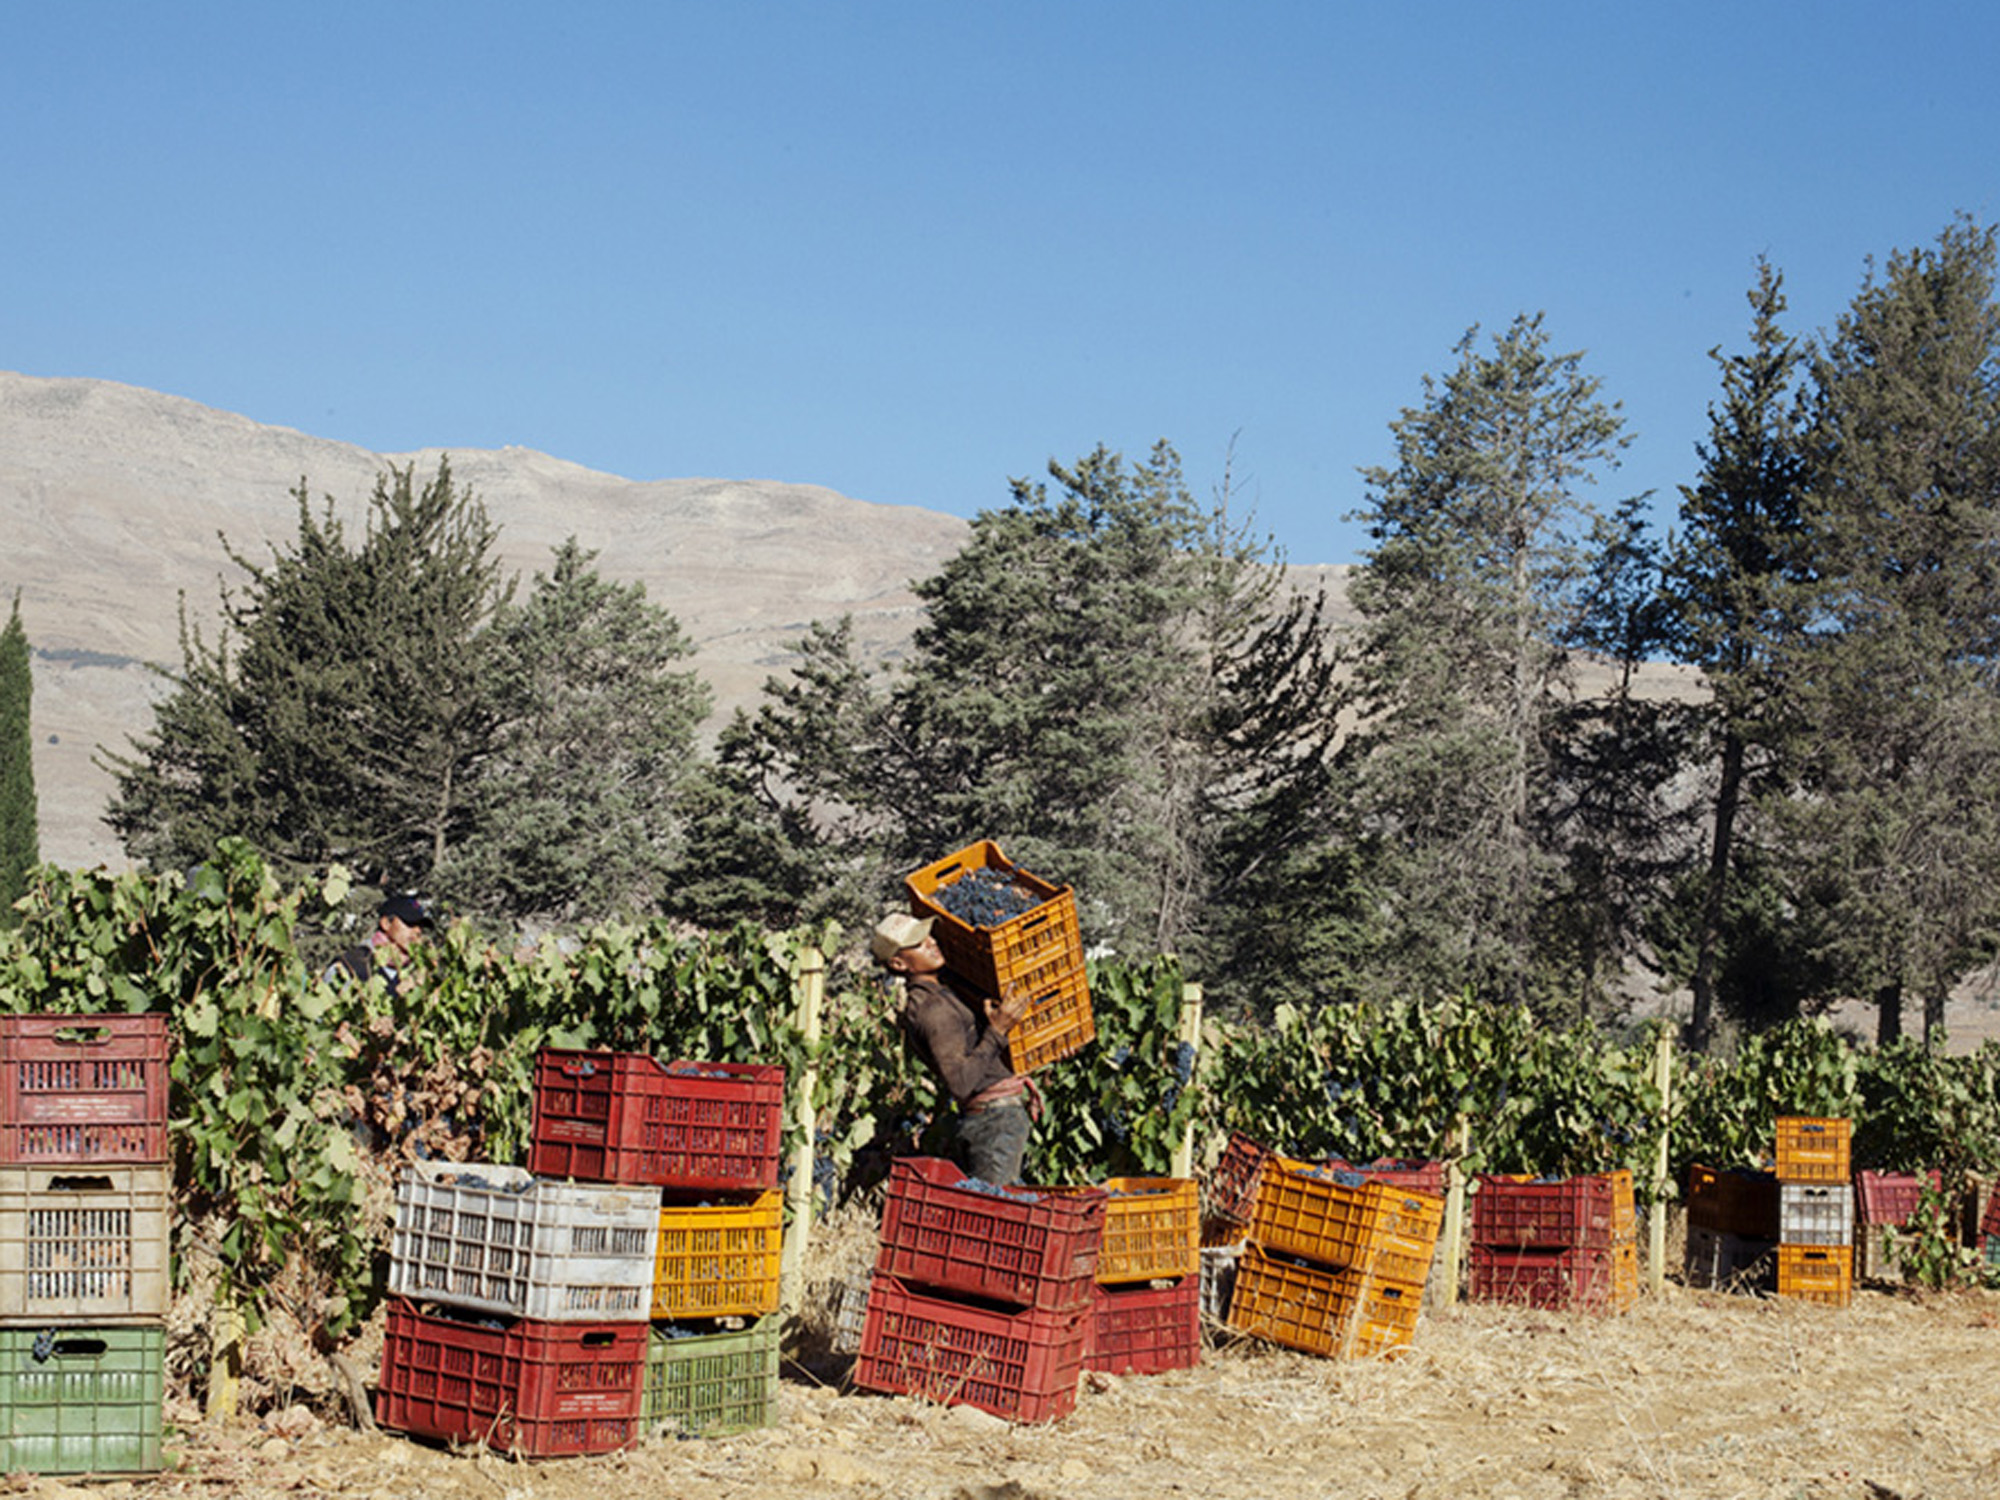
{"x": 897, "y": 931}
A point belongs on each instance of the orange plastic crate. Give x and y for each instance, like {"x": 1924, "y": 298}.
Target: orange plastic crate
{"x": 1347, "y": 1314}
{"x": 1307, "y": 1212}
{"x": 1737, "y": 1202}
{"x": 1812, "y": 1149}
{"x": 1059, "y": 1022}
{"x": 719, "y": 1260}
{"x": 1032, "y": 950}
{"x": 1817, "y": 1273}
{"x": 1152, "y": 1229}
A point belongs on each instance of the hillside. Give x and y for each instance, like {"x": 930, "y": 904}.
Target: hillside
{"x": 113, "y": 501}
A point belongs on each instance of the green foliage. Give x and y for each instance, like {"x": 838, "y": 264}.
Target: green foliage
{"x": 20, "y": 839}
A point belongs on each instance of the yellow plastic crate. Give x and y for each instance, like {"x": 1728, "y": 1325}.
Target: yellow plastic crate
{"x": 1152, "y": 1229}
{"x": 1347, "y": 1314}
{"x": 719, "y": 1261}
{"x": 1304, "y": 1211}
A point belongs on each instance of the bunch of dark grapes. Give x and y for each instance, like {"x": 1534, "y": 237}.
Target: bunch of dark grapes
{"x": 985, "y": 898}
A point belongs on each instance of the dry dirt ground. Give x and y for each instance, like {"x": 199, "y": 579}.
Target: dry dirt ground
{"x": 1692, "y": 1394}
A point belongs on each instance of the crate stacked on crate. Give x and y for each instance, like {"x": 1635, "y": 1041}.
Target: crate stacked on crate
{"x": 1228, "y": 1198}
{"x": 1815, "y": 1210}
{"x": 1566, "y": 1243}
{"x": 1732, "y": 1229}
{"x": 1004, "y": 930}
{"x": 625, "y": 1281}
{"x": 1885, "y": 1205}
{"x": 1334, "y": 1264}
{"x": 1146, "y": 1304}
{"x": 84, "y": 1202}
{"x": 981, "y": 1295}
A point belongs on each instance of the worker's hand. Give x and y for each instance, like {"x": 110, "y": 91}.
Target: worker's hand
{"x": 1003, "y": 1014}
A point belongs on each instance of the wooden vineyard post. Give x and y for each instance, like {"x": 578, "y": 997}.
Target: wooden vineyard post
{"x": 811, "y": 993}
{"x": 1656, "y": 1221}
{"x": 1190, "y": 1036}
{"x": 1451, "y": 1247}
{"x": 225, "y": 1365}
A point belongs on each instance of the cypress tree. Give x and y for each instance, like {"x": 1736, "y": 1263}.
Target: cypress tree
{"x": 19, "y": 841}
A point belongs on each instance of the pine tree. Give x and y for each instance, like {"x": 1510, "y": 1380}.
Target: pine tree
{"x": 342, "y": 712}
{"x": 20, "y": 847}
{"x": 1734, "y": 584}
{"x": 577, "y": 812}
{"x": 1111, "y": 681}
{"x": 1894, "y": 691}
{"x": 1468, "y": 594}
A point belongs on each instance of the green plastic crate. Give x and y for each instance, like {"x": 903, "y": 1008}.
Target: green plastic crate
{"x": 712, "y": 1383}
{"x": 81, "y": 1400}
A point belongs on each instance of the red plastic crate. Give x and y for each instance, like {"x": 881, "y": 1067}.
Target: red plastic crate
{"x": 630, "y": 1118}
{"x": 541, "y": 1390}
{"x": 1308, "y": 1212}
{"x": 1145, "y": 1330}
{"x": 1230, "y": 1190}
{"x": 83, "y": 1089}
{"x": 1424, "y": 1176}
{"x": 1889, "y": 1198}
{"x": 1576, "y": 1212}
{"x": 1581, "y": 1278}
{"x": 1020, "y": 1364}
{"x": 1340, "y": 1314}
{"x": 1012, "y": 1245}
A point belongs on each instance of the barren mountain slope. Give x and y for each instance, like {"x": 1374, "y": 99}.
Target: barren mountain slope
{"x": 112, "y": 501}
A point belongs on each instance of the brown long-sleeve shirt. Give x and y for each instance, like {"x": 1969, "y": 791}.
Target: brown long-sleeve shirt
{"x": 968, "y": 1055}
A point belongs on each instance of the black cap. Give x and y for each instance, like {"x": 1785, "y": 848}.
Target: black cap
{"x": 410, "y": 909}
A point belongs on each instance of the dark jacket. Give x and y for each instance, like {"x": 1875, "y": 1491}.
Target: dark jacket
{"x": 968, "y": 1056}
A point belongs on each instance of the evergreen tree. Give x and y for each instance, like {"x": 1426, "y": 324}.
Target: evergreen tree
{"x": 1471, "y": 588}
{"x": 1109, "y": 680}
{"x": 342, "y": 713}
{"x": 578, "y": 806}
{"x": 1734, "y": 582}
{"x": 20, "y": 846}
{"x": 1894, "y": 838}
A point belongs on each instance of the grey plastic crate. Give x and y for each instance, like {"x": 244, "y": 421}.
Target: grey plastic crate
{"x": 1815, "y": 1213}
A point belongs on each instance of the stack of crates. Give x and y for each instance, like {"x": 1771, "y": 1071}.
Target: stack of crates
{"x": 604, "y": 1290}
{"x": 1567, "y": 1243}
{"x": 1146, "y": 1301}
{"x": 1335, "y": 1264}
{"x": 1885, "y": 1204}
{"x": 1815, "y": 1210}
{"x": 1732, "y": 1229}
{"x": 1036, "y": 952}
{"x": 84, "y": 1193}
{"x": 981, "y": 1295}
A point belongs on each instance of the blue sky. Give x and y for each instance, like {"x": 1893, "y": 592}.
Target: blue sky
{"x": 911, "y": 250}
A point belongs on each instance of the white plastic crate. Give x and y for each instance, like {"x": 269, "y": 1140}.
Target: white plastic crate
{"x": 1815, "y": 1213}
{"x": 500, "y": 1240}
{"x": 84, "y": 1243}
{"x": 1218, "y": 1280}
